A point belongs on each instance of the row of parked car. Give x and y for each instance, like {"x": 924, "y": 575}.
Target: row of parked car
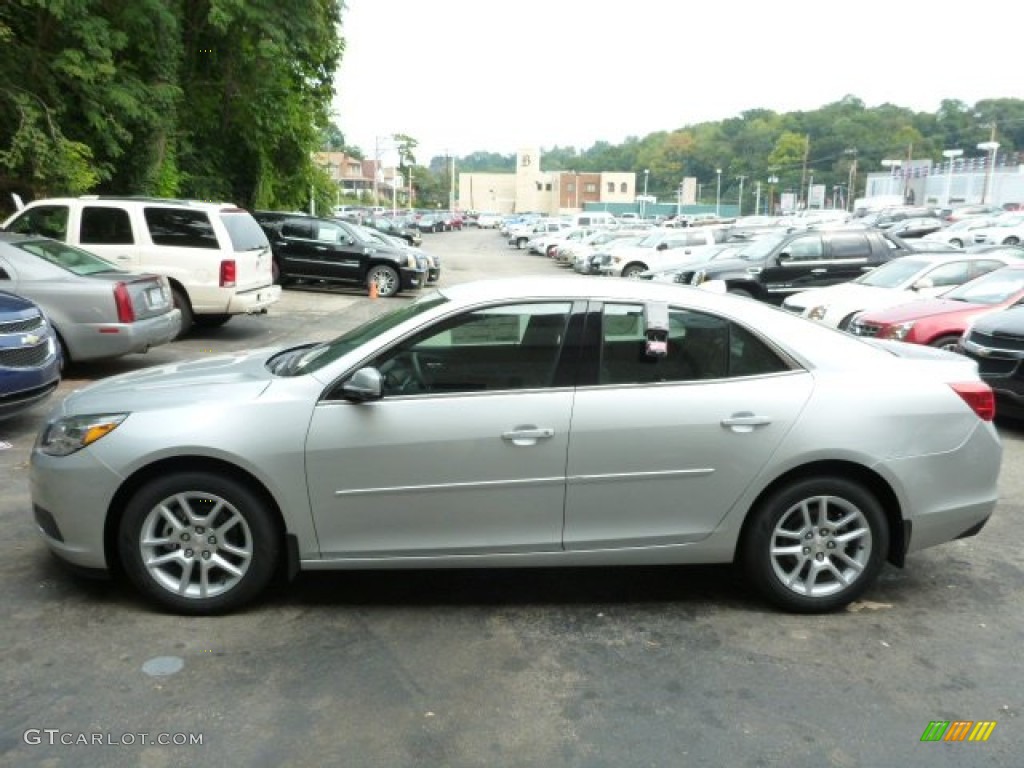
{"x": 856, "y": 277}
{"x": 91, "y": 278}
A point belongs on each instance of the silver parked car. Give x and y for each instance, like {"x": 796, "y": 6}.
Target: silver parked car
{"x": 526, "y": 422}
{"x": 98, "y": 310}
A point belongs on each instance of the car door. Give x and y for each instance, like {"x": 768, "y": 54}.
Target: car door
{"x": 342, "y": 256}
{"x": 464, "y": 454}
{"x": 849, "y": 254}
{"x": 294, "y": 248}
{"x": 662, "y": 447}
{"x": 796, "y": 265}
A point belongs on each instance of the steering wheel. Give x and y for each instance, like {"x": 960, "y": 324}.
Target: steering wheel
{"x": 404, "y": 374}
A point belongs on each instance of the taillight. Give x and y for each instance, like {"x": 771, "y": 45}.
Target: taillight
{"x": 228, "y": 273}
{"x": 123, "y": 302}
{"x": 978, "y": 395}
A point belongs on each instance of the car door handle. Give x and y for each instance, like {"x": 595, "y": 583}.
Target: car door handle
{"x": 819, "y": 271}
{"x": 527, "y": 435}
{"x": 123, "y": 257}
{"x": 745, "y": 422}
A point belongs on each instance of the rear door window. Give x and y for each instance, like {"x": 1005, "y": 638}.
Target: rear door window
{"x": 244, "y": 231}
{"x": 105, "y": 225}
{"x": 850, "y": 245}
{"x": 180, "y": 228}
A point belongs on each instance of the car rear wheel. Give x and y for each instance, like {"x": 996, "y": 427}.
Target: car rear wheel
{"x": 183, "y": 305}
{"x": 815, "y": 544}
{"x": 632, "y": 270}
{"x": 198, "y": 543}
{"x": 949, "y": 343}
{"x": 957, "y": 242}
{"x": 1012, "y": 240}
{"x": 385, "y": 279}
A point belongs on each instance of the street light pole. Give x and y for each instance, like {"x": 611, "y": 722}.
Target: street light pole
{"x": 992, "y": 147}
{"x": 772, "y": 181}
{"x": 740, "y": 209}
{"x": 718, "y": 194}
{"x": 757, "y": 198}
{"x": 950, "y": 154}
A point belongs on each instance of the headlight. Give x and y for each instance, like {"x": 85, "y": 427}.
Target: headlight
{"x": 698, "y": 277}
{"x": 818, "y": 312}
{"x": 899, "y": 331}
{"x": 72, "y": 433}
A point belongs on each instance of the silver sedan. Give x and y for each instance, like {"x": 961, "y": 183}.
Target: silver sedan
{"x": 526, "y": 422}
{"x": 98, "y": 310}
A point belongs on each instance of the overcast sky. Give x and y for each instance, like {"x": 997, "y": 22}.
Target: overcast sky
{"x": 466, "y": 75}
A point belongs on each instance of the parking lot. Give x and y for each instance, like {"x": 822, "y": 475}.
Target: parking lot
{"x": 549, "y": 667}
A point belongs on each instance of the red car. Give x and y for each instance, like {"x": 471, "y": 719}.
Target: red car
{"x": 940, "y": 322}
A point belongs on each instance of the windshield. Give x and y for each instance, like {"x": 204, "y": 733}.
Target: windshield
{"x": 759, "y": 249}
{"x": 306, "y": 359}
{"x": 74, "y": 260}
{"x": 993, "y": 288}
{"x": 651, "y": 240}
{"x": 892, "y": 275}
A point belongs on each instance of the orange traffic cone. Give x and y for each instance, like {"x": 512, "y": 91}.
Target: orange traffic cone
{"x": 373, "y": 289}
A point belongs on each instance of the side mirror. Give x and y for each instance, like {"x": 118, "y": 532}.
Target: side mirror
{"x": 923, "y": 284}
{"x": 783, "y": 257}
{"x": 366, "y": 384}
{"x": 661, "y": 247}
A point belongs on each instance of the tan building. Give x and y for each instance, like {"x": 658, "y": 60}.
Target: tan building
{"x": 531, "y": 189}
{"x": 355, "y": 177}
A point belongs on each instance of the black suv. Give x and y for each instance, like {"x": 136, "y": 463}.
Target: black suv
{"x": 775, "y": 266}
{"x": 309, "y": 248}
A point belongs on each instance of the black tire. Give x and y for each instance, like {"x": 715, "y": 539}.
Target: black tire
{"x": 211, "y": 321}
{"x": 800, "y": 516}
{"x": 1012, "y": 240}
{"x": 521, "y": 243}
{"x": 740, "y": 292}
{"x": 957, "y": 242}
{"x": 182, "y": 304}
{"x": 386, "y": 279}
{"x": 219, "y": 521}
{"x": 632, "y": 270}
{"x": 945, "y": 342}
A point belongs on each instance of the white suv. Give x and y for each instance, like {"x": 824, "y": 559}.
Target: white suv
{"x": 215, "y": 255}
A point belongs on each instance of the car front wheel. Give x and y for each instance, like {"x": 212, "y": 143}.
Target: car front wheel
{"x": 815, "y": 544}
{"x": 385, "y": 279}
{"x": 198, "y": 543}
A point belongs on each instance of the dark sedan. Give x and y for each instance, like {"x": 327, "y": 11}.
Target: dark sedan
{"x": 996, "y": 343}
{"x": 29, "y": 355}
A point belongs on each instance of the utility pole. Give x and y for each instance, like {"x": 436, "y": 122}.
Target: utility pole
{"x": 757, "y": 199}
{"x": 803, "y": 173}
{"x": 740, "y": 208}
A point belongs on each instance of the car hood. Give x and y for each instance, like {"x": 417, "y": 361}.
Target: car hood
{"x": 11, "y": 303}
{"x": 917, "y": 310}
{"x": 232, "y": 377}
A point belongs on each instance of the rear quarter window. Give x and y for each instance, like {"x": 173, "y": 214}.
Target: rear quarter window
{"x": 244, "y": 231}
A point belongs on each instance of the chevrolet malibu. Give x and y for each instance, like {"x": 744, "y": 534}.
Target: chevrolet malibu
{"x": 526, "y": 422}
